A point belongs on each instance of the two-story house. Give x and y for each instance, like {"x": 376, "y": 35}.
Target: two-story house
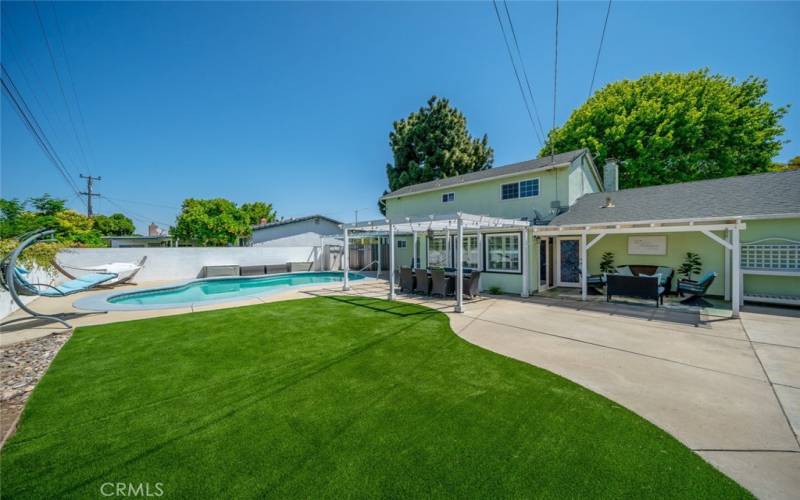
{"x": 535, "y": 191}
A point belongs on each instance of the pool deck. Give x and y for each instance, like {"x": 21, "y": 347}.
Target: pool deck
{"x": 729, "y": 389}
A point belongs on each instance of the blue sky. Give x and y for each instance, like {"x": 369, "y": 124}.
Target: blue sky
{"x": 292, "y": 103}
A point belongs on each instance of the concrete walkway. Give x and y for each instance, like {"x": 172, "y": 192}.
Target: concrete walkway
{"x": 728, "y": 389}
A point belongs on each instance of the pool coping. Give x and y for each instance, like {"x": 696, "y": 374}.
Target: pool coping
{"x": 100, "y": 302}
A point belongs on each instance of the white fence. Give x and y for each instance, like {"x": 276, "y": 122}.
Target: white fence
{"x": 183, "y": 263}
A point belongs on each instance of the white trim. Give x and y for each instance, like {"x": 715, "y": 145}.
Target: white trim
{"x": 538, "y": 189}
{"x": 584, "y": 266}
{"x": 594, "y": 241}
{"x": 389, "y": 196}
{"x": 716, "y": 238}
{"x": 525, "y": 262}
{"x": 392, "y": 292}
{"x": 557, "y": 246}
{"x": 489, "y": 236}
{"x": 736, "y": 285}
{"x": 677, "y": 221}
{"x": 460, "y": 268}
{"x": 638, "y": 230}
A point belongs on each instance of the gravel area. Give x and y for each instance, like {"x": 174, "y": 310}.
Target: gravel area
{"x": 21, "y": 367}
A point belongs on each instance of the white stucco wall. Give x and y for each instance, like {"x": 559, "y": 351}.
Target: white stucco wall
{"x": 173, "y": 264}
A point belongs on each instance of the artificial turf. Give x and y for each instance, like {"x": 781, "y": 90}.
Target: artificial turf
{"x": 328, "y": 397}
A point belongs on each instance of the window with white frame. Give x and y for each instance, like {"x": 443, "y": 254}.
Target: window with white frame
{"x": 503, "y": 252}
{"x": 470, "y": 255}
{"x": 448, "y": 197}
{"x": 437, "y": 252}
{"x": 522, "y": 189}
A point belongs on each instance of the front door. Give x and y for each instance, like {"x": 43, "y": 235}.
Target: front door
{"x": 568, "y": 262}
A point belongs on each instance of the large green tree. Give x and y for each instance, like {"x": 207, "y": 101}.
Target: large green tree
{"x": 218, "y": 222}
{"x": 114, "y": 225}
{"x": 675, "y": 127}
{"x": 256, "y": 211}
{"x": 72, "y": 228}
{"x": 434, "y": 143}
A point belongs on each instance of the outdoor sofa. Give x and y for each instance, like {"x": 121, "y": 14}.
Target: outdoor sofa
{"x": 643, "y": 287}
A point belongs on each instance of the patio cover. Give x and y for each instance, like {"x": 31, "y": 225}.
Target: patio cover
{"x": 457, "y": 222}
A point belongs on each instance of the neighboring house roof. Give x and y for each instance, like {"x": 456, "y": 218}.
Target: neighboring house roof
{"x": 293, "y": 220}
{"x": 137, "y": 237}
{"x": 542, "y": 163}
{"x": 759, "y": 195}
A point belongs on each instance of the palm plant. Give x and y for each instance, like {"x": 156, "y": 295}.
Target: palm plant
{"x": 691, "y": 265}
{"x": 607, "y": 263}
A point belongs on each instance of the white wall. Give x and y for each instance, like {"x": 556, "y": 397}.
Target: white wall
{"x": 173, "y": 264}
{"x": 7, "y": 306}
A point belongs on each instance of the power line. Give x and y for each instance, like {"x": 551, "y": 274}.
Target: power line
{"x": 516, "y": 73}
{"x": 555, "y": 86}
{"x": 134, "y": 215}
{"x": 72, "y": 83}
{"x": 60, "y": 85}
{"x": 600, "y": 48}
{"x": 147, "y": 203}
{"x": 30, "y": 122}
{"x": 18, "y": 59}
{"x": 524, "y": 71}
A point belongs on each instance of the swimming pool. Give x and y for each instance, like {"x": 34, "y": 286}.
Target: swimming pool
{"x": 208, "y": 291}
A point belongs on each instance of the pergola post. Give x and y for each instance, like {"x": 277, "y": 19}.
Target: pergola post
{"x": 525, "y": 263}
{"x": 447, "y": 248}
{"x": 584, "y": 266}
{"x": 727, "y": 267}
{"x": 391, "y": 262}
{"x": 460, "y": 267}
{"x": 414, "y": 250}
{"x": 480, "y": 257}
{"x": 736, "y": 282}
{"x": 380, "y": 251}
{"x": 346, "y": 262}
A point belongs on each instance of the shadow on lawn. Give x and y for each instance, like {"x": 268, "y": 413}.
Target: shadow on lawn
{"x": 396, "y": 308}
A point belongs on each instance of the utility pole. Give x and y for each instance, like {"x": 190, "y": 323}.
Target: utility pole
{"x": 89, "y": 194}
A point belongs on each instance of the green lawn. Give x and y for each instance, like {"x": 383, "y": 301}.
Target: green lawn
{"x": 329, "y": 397}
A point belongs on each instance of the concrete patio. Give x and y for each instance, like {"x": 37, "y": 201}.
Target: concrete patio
{"x": 727, "y": 388}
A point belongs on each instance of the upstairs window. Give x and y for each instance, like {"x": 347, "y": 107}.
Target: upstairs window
{"x": 522, "y": 189}
{"x": 448, "y": 197}
{"x": 510, "y": 191}
{"x": 529, "y": 188}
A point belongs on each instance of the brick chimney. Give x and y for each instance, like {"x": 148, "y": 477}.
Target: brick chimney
{"x": 262, "y": 221}
{"x": 611, "y": 176}
{"x": 153, "y": 230}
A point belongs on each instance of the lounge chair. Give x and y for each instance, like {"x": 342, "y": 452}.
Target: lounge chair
{"x": 441, "y": 284}
{"x": 219, "y": 271}
{"x": 406, "y": 280}
{"x": 15, "y": 280}
{"x": 471, "y": 285}
{"x": 125, "y": 271}
{"x": 697, "y": 290}
{"x": 423, "y": 283}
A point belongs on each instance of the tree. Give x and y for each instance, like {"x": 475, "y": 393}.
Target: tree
{"x": 254, "y": 212}
{"x": 793, "y": 164}
{"x": 214, "y": 222}
{"x": 47, "y": 205}
{"x": 676, "y": 127}
{"x": 434, "y": 143}
{"x": 114, "y": 225}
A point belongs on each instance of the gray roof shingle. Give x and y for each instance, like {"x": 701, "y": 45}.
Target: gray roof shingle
{"x": 774, "y": 193}
{"x": 512, "y": 169}
{"x": 293, "y": 220}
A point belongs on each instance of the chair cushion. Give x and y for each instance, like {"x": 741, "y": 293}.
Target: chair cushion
{"x": 624, "y": 271}
{"x": 660, "y": 290}
{"x": 664, "y": 271}
{"x": 660, "y": 277}
{"x": 705, "y": 278}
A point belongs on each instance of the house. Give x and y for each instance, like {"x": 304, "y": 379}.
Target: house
{"x": 138, "y": 241}
{"x": 747, "y": 226}
{"x": 311, "y": 230}
{"x": 534, "y": 191}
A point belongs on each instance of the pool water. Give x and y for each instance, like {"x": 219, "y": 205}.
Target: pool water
{"x": 225, "y": 288}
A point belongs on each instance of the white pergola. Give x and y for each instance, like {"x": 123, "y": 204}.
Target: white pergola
{"x": 458, "y": 222}
{"x": 731, "y": 227}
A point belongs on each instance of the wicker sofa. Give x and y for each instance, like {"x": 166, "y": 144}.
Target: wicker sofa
{"x": 640, "y": 281}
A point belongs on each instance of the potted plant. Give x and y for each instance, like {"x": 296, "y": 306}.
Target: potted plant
{"x": 691, "y": 265}
{"x": 607, "y": 263}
